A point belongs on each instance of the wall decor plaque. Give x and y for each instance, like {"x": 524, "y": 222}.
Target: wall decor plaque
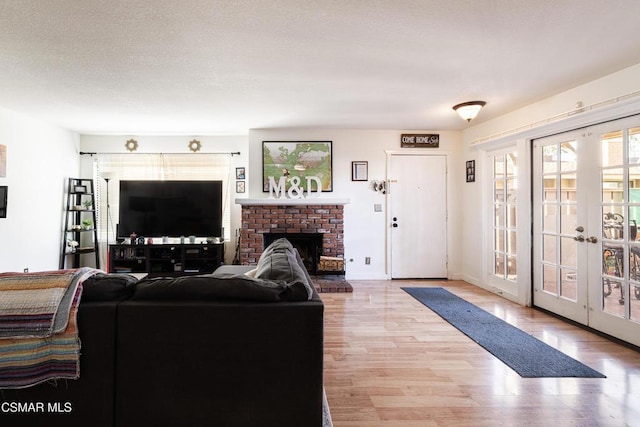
{"x": 420, "y": 140}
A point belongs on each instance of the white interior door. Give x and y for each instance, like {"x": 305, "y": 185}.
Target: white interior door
{"x": 418, "y": 216}
{"x": 586, "y": 215}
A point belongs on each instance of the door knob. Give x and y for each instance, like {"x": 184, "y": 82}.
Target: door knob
{"x": 592, "y": 239}
{"x": 579, "y": 229}
{"x": 579, "y": 238}
{"x": 395, "y": 225}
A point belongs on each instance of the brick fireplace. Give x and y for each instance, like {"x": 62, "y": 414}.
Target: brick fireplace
{"x": 303, "y": 217}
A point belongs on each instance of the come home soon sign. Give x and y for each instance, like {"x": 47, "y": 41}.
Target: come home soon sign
{"x": 420, "y": 140}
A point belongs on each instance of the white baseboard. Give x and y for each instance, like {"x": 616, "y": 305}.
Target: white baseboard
{"x": 471, "y": 279}
{"x": 366, "y": 276}
{"x": 381, "y": 276}
{"x": 493, "y": 289}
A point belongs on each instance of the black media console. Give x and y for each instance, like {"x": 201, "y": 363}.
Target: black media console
{"x": 166, "y": 259}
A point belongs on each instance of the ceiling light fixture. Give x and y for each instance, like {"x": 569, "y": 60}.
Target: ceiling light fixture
{"x": 469, "y": 110}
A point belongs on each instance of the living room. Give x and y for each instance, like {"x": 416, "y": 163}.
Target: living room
{"x": 41, "y": 154}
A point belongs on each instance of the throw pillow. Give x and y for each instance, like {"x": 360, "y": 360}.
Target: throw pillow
{"x": 279, "y": 262}
{"x": 108, "y": 287}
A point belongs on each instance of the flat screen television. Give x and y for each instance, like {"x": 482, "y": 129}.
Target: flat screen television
{"x": 170, "y": 208}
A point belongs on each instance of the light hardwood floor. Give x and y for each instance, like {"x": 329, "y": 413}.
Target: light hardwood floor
{"x": 390, "y": 361}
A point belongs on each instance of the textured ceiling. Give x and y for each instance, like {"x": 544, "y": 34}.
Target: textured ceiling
{"x": 203, "y": 67}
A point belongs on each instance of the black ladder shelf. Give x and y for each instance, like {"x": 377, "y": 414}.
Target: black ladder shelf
{"x": 79, "y": 234}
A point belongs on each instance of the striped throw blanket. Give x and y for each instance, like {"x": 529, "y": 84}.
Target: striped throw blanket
{"x": 38, "y": 331}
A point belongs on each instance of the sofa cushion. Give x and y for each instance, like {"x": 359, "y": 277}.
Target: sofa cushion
{"x": 108, "y": 287}
{"x": 280, "y": 262}
{"x": 218, "y": 287}
{"x": 235, "y": 269}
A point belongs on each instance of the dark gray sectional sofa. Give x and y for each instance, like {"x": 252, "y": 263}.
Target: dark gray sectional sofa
{"x": 212, "y": 350}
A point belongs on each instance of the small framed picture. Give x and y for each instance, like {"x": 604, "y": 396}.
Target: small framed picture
{"x": 359, "y": 171}
{"x": 471, "y": 170}
{"x": 79, "y": 188}
{"x": 240, "y": 173}
{"x": 240, "y": 187}
{"x": 3, "y": 201}
{"x": 3, "y": 160}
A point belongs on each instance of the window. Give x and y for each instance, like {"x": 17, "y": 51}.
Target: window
{"x": 505, "y": 190}
{"x": 156, "y": 167}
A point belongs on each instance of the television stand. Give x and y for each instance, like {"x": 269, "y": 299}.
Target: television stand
{"x": 166, "y": 259}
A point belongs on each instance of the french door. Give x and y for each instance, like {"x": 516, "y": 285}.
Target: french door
{"x": 586, "y": 188}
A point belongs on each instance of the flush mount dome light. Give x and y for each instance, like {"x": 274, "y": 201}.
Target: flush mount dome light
{"x": 469, "y": 110}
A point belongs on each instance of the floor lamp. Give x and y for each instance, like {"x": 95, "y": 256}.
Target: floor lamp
{"x": 107, "y": 176}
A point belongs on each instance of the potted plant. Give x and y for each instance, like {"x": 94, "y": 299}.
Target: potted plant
{"x": 86, "y": 224}
{"x": 87, "y": 204}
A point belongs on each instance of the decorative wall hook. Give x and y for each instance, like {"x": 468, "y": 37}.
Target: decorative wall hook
{"x": 379, "y": 186}
{"x": 194, "y": 145}
{"x": 131, "y": 145}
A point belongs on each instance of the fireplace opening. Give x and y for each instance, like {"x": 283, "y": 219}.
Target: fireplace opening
{"x": 309, "y": 245}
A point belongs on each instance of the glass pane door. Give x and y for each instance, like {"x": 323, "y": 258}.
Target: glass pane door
{"x": 586, "y": 215}
{"x": 505, "y": 190}
{"x": 559, "y": 224}
{"x": 619, "y": 301}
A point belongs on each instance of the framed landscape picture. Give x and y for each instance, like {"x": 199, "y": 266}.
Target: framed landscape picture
{"x": 297, "y": 159}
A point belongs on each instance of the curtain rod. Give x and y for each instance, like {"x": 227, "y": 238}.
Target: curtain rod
{"x": 88, "y": 153}
{"x": 579, "y": 108}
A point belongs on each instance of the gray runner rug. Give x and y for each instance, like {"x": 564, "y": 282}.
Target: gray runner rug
{"x": 525, "y": 354}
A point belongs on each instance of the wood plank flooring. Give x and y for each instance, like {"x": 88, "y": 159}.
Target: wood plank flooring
{"x": 390, "y": 361}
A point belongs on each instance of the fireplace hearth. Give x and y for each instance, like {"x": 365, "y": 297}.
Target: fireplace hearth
{"x": 264, "y": 220}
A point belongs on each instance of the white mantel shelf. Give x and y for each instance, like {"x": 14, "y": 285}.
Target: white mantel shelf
{"x": 292, "y": 202}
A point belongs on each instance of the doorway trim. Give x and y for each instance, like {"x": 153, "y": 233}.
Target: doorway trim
{"x": 453, "y": 246}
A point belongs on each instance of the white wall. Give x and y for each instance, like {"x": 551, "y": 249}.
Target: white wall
{"x": 40, "y": 158}
{"x": 174, "y": 144}
{"x": 474, "y": 197}
{"x": 617, "y": 84}
{"x": 365, "y": 230}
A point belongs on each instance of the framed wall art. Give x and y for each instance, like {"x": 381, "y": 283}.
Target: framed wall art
{"x": 359, "y": 171}
{"x": 471, "y": 170}
{"x": 240, "y": 187}
{"x": 3, "y": 161}
{"x": 3, "y": 201}
{"x": 300, "y": 159}
{"x": 240, "y": 173}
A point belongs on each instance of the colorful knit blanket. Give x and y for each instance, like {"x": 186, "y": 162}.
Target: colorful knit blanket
{"x": 38, "y": 331}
